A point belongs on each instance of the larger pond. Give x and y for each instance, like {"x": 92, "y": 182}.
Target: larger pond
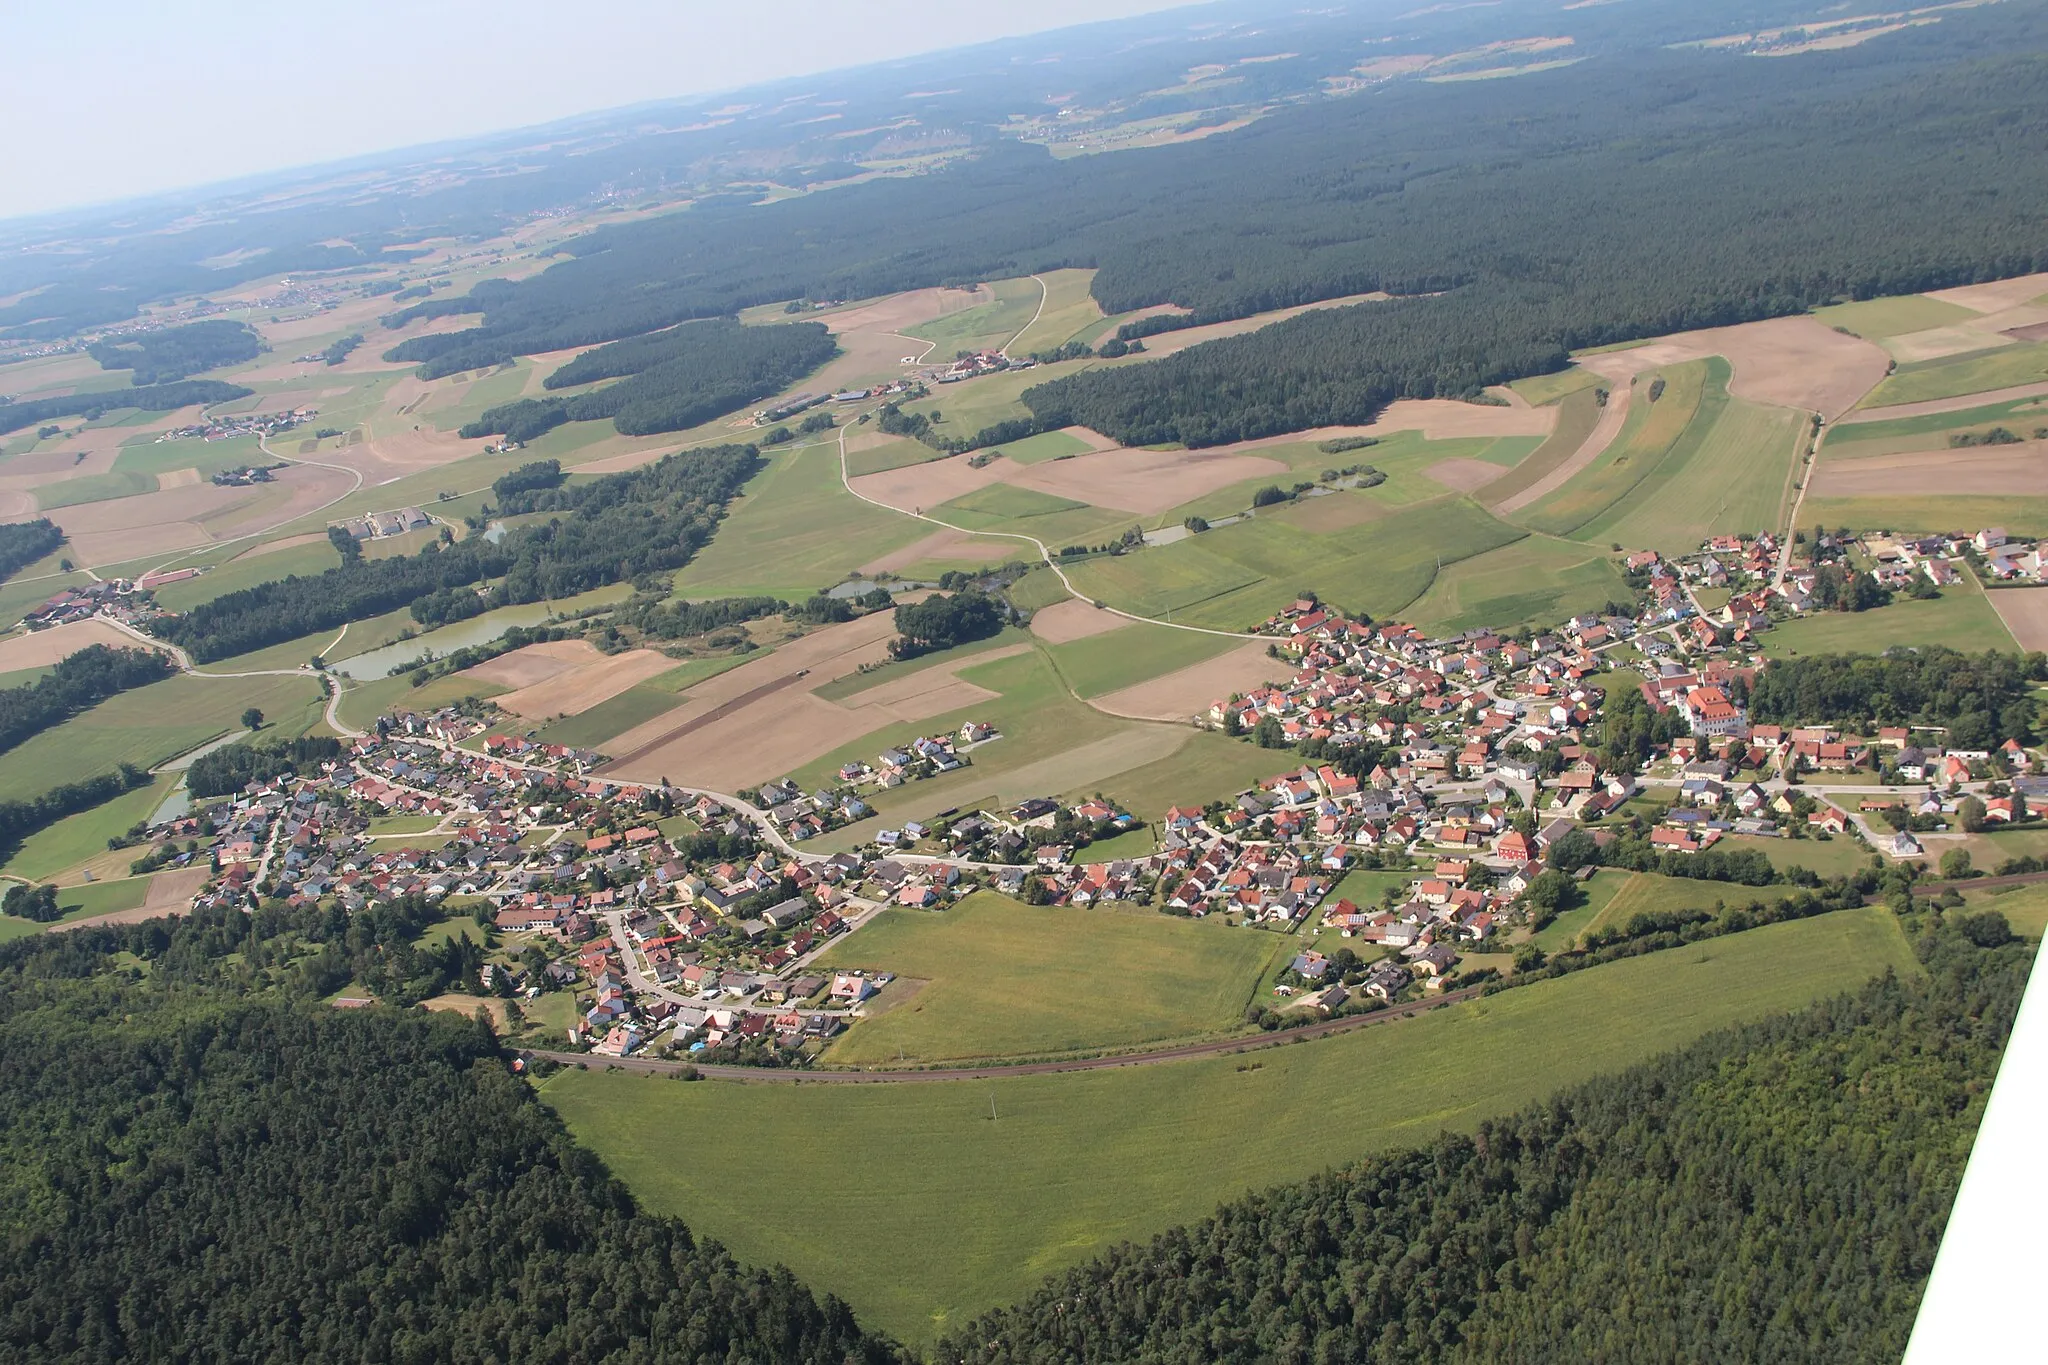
{"x": 477, "y": 630}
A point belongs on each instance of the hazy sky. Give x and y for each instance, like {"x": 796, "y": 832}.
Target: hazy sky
{"x": 103, "y": 99}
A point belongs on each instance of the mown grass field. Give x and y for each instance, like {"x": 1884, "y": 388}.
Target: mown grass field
{"x": 1070, "y": 312}
{"x": 2024, "y": 907}
{"x": 897, "y": 454}
{"x": 795, "y": 530}
{"x": 1729, "y": 472}
{"x": 76, "y": 902}
{"x": 1204, "y": 767}
{"x": 1877, "y": 319}
{"x": 1644, "y": 893}
{"x": 1235, "y": 576}
{"x": 976, "y": 1211}
{"x": 591, "y": 729}
{"x": 60, "y": 847}
{"x": 1000, "y": 504}
{"x": 1535, "y": 581}
{"x": 1646, "y": 439}
{"x": 1005, "y": 979}
{"x": 2020, "y": 516}
{"x": 1046, "y": 445}
{"x": 151, "y": 724}
{"x": 93, "y": 488}
{"x": 1824, "y": 858}
{"x": 985, "y": 327}
{"x": 1548, "y": 388}
{"x": 364, "y": 702}
{"x": 247, "y": 572}
{"x": 1100, "y": 664}
{"x": 1956, "y": 376}
{"x": 1961, "y": 618}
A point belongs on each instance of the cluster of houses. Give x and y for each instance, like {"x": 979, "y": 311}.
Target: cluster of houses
{"x": 117, "y": 599}
{"x": 380, "y": 525}
{"x": 226, "y": 426}
{"x": 974, "y": 366}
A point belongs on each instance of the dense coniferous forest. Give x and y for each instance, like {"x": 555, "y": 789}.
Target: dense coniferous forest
{"x": 170, "y": 355}
{"x": 22, "y": 543}
{"x": 226, "y": 770}
{"x": 1774, "y": 1192}
{"x": 672, "y": 380}
{"x": 611, "y": 530}
{"x": 1982, "y": 699}
{"x": 268, "y": 1178}
{"x": 78, "y": 681}
{"x": 1907, "y": 157}
{"x": 150, "y": 398}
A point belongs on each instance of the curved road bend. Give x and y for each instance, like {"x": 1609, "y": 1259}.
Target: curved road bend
{"x": 1214, "y": 1048}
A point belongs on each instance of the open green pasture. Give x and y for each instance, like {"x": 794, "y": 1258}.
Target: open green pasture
{"x": 152, "y": 724}
{"x": 1206, "y": 766}
{"x": 1070, "y": 313}
{"x": 975, "y": 1211}
{"x": 149, "y": 456}
{"x": 972, "y": 404}
{"x": 1832, "y": 857}
{"x": 1101, "y": 664}
{"x": 1961, "y": 618}
{"x": 1877, "y": 319}
{"x": 1535, "y": 581}
{"x": 1046, "y": 445}
{"x": 1730, "y": 472}
{"x": 1646, "y": 439}
{"x": 1955, "y": 376}
{"x": 93, "y": 488}
{"x": 1540, "y": 389}
{"x": 1645, "y": 893}
{"x": 1005, "y": 979}
{"x": 58, "y": 848}
{"x": 897, "y": 454}
{"x": 2024, "y": 907}
{"x": 985, "y": 327}
{"x": 76, "y": 902}
{"x": 2021, "y": 516}
{"x": 1235, "y": 576}
{"x": 246, "y": 571}
{"x": 1001, "y": 503}
{"x": 795, "y": 530}
{"x": 364, "y": 702}
{"x": 610, "y": 718}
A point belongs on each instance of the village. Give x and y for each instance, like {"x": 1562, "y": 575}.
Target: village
{"x": 688, "y": 922}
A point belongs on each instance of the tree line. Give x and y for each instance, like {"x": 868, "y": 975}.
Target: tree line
{"x": 1770, "y": 1212}
{"x": 21, "y": 818}
{"x": 612, "y": 529}
{"x": 942, "y": 621}
{"x": 28, "y": 412}
{"x": 78, "y": 681}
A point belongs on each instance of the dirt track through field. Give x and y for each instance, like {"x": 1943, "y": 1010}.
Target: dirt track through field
{"x": 41, "y": 648}
{"x": 2025, "y": 613}
{"x": 1595, "y": 445}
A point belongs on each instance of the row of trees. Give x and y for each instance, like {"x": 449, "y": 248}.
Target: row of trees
{"x": 19, "y": 819}
{"x": 609, "y": 530}
{"x": 78, "y": 681}
{"x": 1756, "y": 1194}
{"x": 1981, "y": 699}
